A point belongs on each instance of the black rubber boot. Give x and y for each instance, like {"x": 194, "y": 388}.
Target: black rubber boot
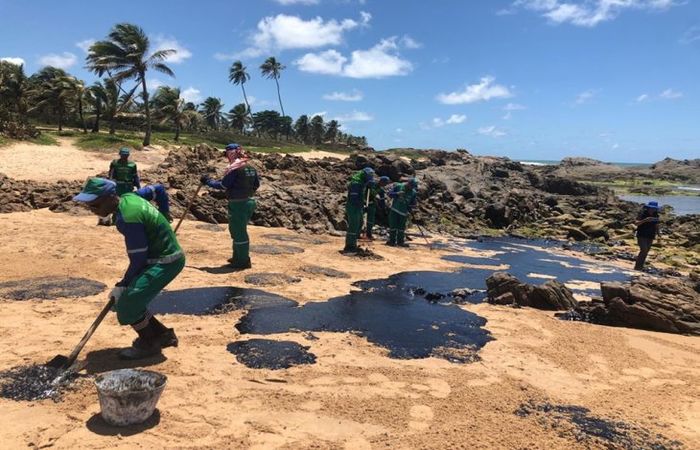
{"x": 240, "y": 266}
{"x": 349, "y": 250}
{"x": 152, "y": 338}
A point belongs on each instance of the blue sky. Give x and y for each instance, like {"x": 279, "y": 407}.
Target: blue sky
{"x": 615, "y": 80}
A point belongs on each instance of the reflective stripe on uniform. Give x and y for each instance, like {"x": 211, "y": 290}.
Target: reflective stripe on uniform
{"x": 166, "y": 259}
{"x": 399, "y": 212}
{"x": 241, "y": 243}
{"x": 143, "y": 323}
{"x": 137, "y": 250}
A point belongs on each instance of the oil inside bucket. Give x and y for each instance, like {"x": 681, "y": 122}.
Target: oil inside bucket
{"x": 129, "y": 396}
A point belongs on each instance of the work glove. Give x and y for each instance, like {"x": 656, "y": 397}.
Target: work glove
{"x": 116, "y": 294}
{"x": 204, "y": 179}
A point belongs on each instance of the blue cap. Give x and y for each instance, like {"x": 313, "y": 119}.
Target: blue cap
{"x": 124, "y": 151}
{"x": 96, "y": 187}
{"x": 652, "y": 205}
{"x": 384, "y": 180}
{"x": 232, "y": 146}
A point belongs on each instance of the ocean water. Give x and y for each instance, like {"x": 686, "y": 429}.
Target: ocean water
{"x": 681, "y": 204}
{"x": 551, "y": 162}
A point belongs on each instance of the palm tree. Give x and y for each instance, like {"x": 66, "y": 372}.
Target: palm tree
{"x": 13, "y": 90}
{"x": 51, "y": 92}
{"x": 76, "y": 93}
{"x": 170, "y": 107}
{"x": 238, "y": 117}
{"x": 124, "y": 55}
{"x": 272, "y": 68}
{"x": 332, "y": 131}
{"x": 237, "y": 75}
{"x": 211, "y": 109}
{"x": 301, "y": 128}
{"x": 316, "y": 129}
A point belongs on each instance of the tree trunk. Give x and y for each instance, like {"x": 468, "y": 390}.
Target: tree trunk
{"x": 80, "y": 113}
{"x": 60, "y": 119}
{"x": 112, "y": 125}
{"x": 147, "y": 137}
{"x": 245, "y": 98}
{"x": 279, "y": 96}
{"x": 177, "y": 131}
{"x": 98, "y": 113}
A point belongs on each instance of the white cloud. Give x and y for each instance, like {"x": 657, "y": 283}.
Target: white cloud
{"x": 483, "y": 91}
{"x": 380, "y": 61}
{"x": 192, "y": 94}
{"x": 153, "y": 83}
{"x": 670, "y": 94}
{"x": 355, "y": 116}
{"x": 642, "y": 98}
{"x": 589, "y": 13}
{"x": 691, "y": 35}
{"x": 283, "y": 32}
{"x": 509, "y": 108}
{"x": 63, "y": 61}
{"x": 456, "y": 118}
{"x": 399, "y": 130}
{"x": 226, "y": 56}
{"x": 491, "y": 131}
{"x": 615, "y": 146}
{"x": 408, "y": 42}
{"x": 13, "y": 59}
{"x": 513, "y": 107}
{"x": 297, "y": 2}
{"x": 85, "y": 45}
{"x": 354, "y": 96}
{"x": 165, "y": 43}
{"x": 584, "y": 97}
{"x": 320, "y": 114}
{"x": 329, "y": 62}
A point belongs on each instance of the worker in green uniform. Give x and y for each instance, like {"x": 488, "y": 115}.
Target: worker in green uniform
{"x": 124, "y": 173}
{"x": 240, "y": 182}
{"x": 354, "y": 208}
{"x": 155, "y": 259}
{"x": 404, "y": 197}
{"x": 375, "y": 196}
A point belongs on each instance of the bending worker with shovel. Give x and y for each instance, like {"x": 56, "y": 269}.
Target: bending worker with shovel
{"x": 155, "y": 259}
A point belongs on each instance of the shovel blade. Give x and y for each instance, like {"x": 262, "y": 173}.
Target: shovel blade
{"x": 58, "y": 362}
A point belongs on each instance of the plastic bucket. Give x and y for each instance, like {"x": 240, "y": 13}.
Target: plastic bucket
{"x": 129, "y": 396}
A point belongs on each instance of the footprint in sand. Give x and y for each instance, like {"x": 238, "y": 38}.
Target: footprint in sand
{"x": 421, "y": 416}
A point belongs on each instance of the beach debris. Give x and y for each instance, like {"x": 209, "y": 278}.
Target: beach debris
{"x": 327, "y": 271}
{"x": 50, "y": 288}
{"x": 267, "y": 249}
{"x": 270, "y": 279}
{"x": 35, "y": 382}
{"x": 595, "y": 431}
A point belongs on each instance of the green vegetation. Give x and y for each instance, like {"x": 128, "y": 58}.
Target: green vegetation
{"x": 407, "y": 153}
{"x": 44, "y": 139}
{"x": 645, "y": 186}
{"x": 121, "y": 100}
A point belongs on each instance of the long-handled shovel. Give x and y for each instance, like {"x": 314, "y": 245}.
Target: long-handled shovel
{"x": 430, "y": 246}
{"x": 62, "y": 362}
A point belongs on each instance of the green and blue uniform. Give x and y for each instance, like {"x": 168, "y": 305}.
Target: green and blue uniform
{"x": 404, "y": 199}
{"x": 155, "y": 256}
{"x": 240, "y": 186}
{"x": 376, "y": 196}
{"x": 355, "y": 207}
{"x": 125, "y": 175}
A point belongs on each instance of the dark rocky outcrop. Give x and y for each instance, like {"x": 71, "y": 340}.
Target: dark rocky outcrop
{"x": 671, "y": 305}
{"x": 505, "y": 289}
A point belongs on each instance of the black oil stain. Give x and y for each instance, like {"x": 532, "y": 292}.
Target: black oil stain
{"x": 326, "y": 271}
{"x": 269, "y": 354}
{"x": 579, "y": 423}
{"x": 523, "y": 260}
{"x": 270, "y": 279}
{"x": 50, "y": 288}
{"x": 266, "y": 249}
{"x": 215, "y": 300}
{"x": 296, "y": 238}
{"x": 210, "y": 227}
{"x": 386, "y": 315}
